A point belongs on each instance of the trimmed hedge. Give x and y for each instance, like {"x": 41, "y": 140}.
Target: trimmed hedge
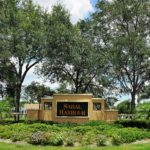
{"x": 134, "y": 123}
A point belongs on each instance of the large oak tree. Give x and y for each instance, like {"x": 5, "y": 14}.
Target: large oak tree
{"x": 22, "y": 41}
{"x": 71, "y": 57}
{"x": 123, "y": 27}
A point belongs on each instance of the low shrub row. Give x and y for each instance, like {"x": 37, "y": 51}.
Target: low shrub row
{"x": 97, "y": 133}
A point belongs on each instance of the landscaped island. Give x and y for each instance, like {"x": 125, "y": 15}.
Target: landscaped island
{"x": 93, "y": 133}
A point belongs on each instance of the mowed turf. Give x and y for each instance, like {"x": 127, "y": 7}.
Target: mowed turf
{"x": 6, "y": 146}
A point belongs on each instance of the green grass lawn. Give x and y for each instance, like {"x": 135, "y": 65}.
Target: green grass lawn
{"x": 5, "y": 146}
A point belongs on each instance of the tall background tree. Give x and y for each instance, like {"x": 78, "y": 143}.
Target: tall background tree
{"x": 22, "y": 41}
{"x": 122, "y": 26}
{"x": 35, "y": 91}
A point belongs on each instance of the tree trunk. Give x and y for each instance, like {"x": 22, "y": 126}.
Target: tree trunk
{"x": 17, "y": 109}
{"x": 132, "y": 102}
{"x": 76, "y": 88}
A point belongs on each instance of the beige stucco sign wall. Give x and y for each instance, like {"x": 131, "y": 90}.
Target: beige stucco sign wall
{"x": 76, "y": 108}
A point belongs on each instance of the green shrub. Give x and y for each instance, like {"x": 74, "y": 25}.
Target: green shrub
{"x": 43, "y": 134}
{"x": 88, "y": 138}
{"x": 103, "y": 127}
{"x": 95, "y": 123}
{"x": 43, "y": 127}
{"x": 5, "y": 135}
{"x": 67, "y": 124}
{"x": 16, "y": 137}
{"x": 127, "y": 135}
{"x": 132, "y": 134}
{"x": 101, "y": 140}
{"x": 38, "y": 127}
{"x": 39, "y": 138}
{"x": 56, "y": 140}
{"x": 124, "y": 107}
{"x": 20, "y": 136}
{"x": 70, "y": 141}
{"x": 117, "y": 140}
{"x": 70, "y": 137}
{"x": 143, "y": 111}
{"x": 134, "y": 123}
{"x": 4, "y": 108}
{"x": 82, "y": 129}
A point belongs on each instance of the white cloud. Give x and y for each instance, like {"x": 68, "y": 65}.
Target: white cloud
{"x": 78, "y": 8}
{"x": 110, "y": 1}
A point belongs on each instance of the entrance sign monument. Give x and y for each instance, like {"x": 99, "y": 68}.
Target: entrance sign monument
{"x": 77, "y": 108}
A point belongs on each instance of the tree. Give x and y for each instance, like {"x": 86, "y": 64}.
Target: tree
{"x": 111, "y": 101}
{"x": 62, "y": 89}
{"x": 124, "y": 107}
{"x": 7, "y": 77}
{"x": 2, "y": 91}
{"x": 35, "y": 91}
{"x": 74, "y": 61}
{"x": 143, "y": 110}
{"x": 22, "y": 41}
{"x": 123, "y": 27}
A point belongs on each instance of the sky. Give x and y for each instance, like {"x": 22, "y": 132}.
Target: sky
{"x": 79, "y": 9}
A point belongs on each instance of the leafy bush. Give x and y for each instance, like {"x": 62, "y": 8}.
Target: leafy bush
{"x": 56, "y": 140}
{"x": 43, "y": 127}
{"x": 40, "y": 122}
{"x": 38, "y": 127}
{"x": 127, "y": 135}
{"x": 143, "y": 110}
{"x": 70, "y": 137}
{"x": 67, "y": 124}
{"x": 95, "y": 123}
{"x": 82, "y": 129}
{"x": 132, "y": 134}
{"x": 117, "y": 140}
{"x": 100, "y": 134}
{"x": 16, "y": 137}
{"x": 70, "y": 141}
{"x": 6, "y": 134}
{"x": 4, "y": 107}
{"x": 39, "y": 138}
{"x": 101, "y": 140}
{"x": 88, "y": 138}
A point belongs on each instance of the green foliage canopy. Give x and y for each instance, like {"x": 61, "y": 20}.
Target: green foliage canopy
{"x": 122, "y": 28}
{"x": 22, "y": 42}
{"x": 35, "y": 91}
